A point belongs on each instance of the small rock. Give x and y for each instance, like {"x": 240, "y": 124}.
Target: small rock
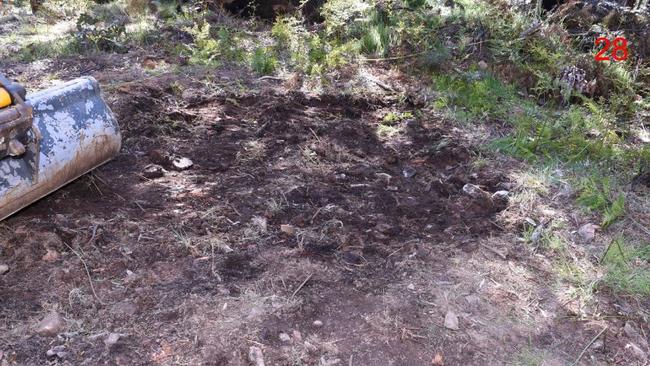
{"x": 501, "y": 196}
{"x": 636, "y": 351}
{"x": 598, "y": 345}
{"x": 588, "y": 231}
{"x": 318, "y": 323}
{"x": 530, "y": 222}
{"x": 310, "y": 347}
{"x": 451, "y": 321}
{"x": 474, "y": 191}
{"x": 256, "y": 356}
{"x": 438, "y": 360}
{"x": 3, "y": 269}
{"x": 153, "y": 171}
{"x": 482, "y": 65}
{"x": 288, "y": 229}
{"x": 57, "y": 351}
{"x": 124, "y": 309}
{"x": 182, "y": 163}
{"x": 51, "y": 256}
{"x": 411, "y": 287}
{"x": 260, "y": 223}
{"x": 634, "y": 335}
{"x": 297, "y": 336}
{"x": 284, "y": 337}
{"x": 536, "y": 236}
{"x": 383, "y": 176}
{"x": 328, "y": 362}
{"x": 112, "y": 339}
{"x": 409, "y": 172}
{"x": 472, "y": 299}
{"x": 51, "y": 325}
{"x": 352, "y": 257}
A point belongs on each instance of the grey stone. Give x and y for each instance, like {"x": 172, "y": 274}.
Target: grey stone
{"x": 51, "y": 325}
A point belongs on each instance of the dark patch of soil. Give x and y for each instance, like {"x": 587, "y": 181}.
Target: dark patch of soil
{"x": 260, "y": 161}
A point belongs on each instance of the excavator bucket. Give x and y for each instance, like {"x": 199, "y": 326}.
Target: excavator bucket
{"x": 51, "y": 138}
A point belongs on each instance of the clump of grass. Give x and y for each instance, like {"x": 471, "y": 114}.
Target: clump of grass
{"x": 377, "y": 35}
{"x": 392, "y": 118}
{"x": 628, "y": 267}
{"x": 390, "y": 123}
{"x": 473, "y": 95}
{"x": 595, "y": 195}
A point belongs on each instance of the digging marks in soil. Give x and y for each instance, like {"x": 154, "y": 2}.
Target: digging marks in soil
{"x": 294, "y": 211}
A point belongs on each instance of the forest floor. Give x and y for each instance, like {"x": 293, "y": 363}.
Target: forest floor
{"x": 300, "y": 235}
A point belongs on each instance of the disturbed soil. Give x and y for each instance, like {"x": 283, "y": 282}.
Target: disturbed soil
{"x": 298, "y": 234}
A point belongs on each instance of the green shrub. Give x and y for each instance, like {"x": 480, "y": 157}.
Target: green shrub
{"x": 209, "y": 49}
{"x": 263, "y": 62}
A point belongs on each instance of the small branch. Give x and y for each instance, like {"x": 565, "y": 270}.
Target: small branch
{"x": 275, "y": 78}
{"x": 587, "y": 346}
{"x": 90, "y": 279}
{"x": 503, "y": 256}
{"x": 301, "y": 285}
{"x": 395, "y": 57}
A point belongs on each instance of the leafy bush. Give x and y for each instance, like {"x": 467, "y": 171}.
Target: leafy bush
{"x": 93, "y": 34}
{"x": 213, "y": 50}
{"x": 263, "y": 62}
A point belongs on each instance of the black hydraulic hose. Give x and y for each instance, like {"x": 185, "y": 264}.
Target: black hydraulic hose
{"x": 16, "y": 90}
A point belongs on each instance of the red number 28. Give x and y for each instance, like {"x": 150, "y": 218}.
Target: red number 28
{"x": 620, "y": 51}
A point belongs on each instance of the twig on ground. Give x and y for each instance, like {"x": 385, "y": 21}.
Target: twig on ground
{"x": 271, "y": 78}
{"x": 301, "y": 285}
{"x": 90, "y": 279}
{"x": 501, "y": 255}
{"x": 588, "y": 345}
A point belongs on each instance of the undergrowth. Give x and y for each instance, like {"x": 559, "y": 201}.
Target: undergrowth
{"x": 628, "y": 267}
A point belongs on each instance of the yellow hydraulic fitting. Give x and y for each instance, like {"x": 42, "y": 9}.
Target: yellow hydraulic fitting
{"x": 5, "y": 98}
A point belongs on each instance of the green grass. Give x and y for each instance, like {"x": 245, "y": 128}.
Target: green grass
{"x": 628, "y": 267}
{"x": 473, "y": 95}
{"x": 598, "y": 194}
{"x": 63, "y": 47}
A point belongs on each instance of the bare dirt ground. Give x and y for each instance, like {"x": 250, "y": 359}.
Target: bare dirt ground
{"x": 298, "y": 235}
